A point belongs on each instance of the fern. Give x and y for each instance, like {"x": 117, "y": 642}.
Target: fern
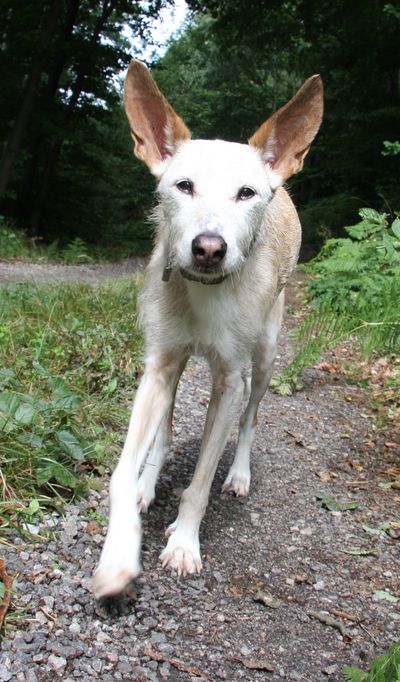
{"x": 355, "y": 292}
{"x": 385, "y": 668}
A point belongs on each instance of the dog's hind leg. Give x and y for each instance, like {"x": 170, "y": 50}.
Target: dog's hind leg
{"x": 182, "y": 552}
{"x": 119, "y": 561}
{"x": 238, "y": 478}
{"x": 158, "y": 452}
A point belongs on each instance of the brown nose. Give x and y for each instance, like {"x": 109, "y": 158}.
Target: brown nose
{"x": 208, "y": 249}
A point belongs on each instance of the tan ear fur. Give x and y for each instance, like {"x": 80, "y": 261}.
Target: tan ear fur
{"x": 285, "y": 138}
{"x": 155, "y": 127}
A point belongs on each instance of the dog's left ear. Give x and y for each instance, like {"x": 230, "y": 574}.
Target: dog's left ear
{"x": 285, "y": 138}
{"x": 156, "y": 128}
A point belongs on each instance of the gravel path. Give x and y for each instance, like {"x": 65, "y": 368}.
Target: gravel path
{"x": 20, "y": 271}
{"x": 275, "y": 564}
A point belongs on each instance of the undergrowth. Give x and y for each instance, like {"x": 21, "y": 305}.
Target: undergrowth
{"x": 14, "y": 244}
{"x": 69, "y": 356}
{"x": 354, "y": 290}
{"x": 385, "y": 668}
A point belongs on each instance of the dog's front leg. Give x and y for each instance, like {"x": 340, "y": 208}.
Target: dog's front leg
{"x": 120, "y": 558}
{"x": 182, "y": 552}
{"x": 159, "y": 450}
{"x": 238, "y": 478}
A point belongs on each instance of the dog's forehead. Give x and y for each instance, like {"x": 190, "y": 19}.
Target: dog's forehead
{"x": 217, "y": 160}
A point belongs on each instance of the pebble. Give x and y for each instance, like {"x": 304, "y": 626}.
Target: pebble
{"x": 5, "y": 674}
{"x": 202, "y": 620}
{"x": 58, "y": 663}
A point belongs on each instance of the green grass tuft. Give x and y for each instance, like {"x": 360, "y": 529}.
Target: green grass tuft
{"x": 70, "y": 357}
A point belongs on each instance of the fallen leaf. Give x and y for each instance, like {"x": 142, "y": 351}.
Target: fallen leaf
{"x": 267, "y": 599}
{"x": 329, "y": 502}
{"x": 254, "y": 663}
{"x": 391, "y": 445}
{"x": 94, "y": 528}
{"x": 7, "y": 581}
{"x": 384, "y": 595}
{"x": 358, "y": 551}
{"x": 325, "y": 476}
{"x": 332, "y": 622}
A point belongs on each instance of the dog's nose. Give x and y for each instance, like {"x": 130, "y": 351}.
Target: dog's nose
{"x": 209, "y": 249}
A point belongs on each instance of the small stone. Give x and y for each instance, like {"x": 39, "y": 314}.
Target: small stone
{"x": 244, "y": 650}
{"x": 75, "y": 628}
{"x": 30, "y": 676}
{"x": 48, "y": 603}
{"x": 221, "y": 618}
{"x": 5, "y": 674}
{"x": 103, "y": 637}
{"x": 71, "y": 527}
{"x": 58, "y": 663}
{"x": 330, "y": 669}
{"x": 306, "y": 531}
{"x": 112, "y": 657}
{"x": 319, "y": 585}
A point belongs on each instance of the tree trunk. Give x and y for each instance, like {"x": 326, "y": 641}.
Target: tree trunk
{"x": 21, "y": 121}
{"x": 25, "y": 190}
{"x": 55, "y": 149}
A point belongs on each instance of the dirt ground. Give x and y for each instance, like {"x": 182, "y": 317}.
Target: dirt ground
{"x": 291, "y": 588}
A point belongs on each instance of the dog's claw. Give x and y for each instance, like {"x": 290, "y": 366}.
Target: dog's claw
{"x": 143, "y": 505}
{"x": 183, "y": 561}
{"x": 181, "y": 554}
{"x": 239, "y": 484}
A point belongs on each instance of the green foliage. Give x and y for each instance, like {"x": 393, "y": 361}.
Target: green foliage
{"x": 12, "y": 243}
{"x": 355, "y": 292}
{"x": 67, "y": 167}
{"x": 342, "y": 41}
{"x": 385, "y": 668}
{"x": 391, "y": 148}
{"x": 70, "y": 355}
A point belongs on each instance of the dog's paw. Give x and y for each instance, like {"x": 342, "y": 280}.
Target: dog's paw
{"x": 238, "y": 483}
{"x": 181, "y": 554}
{"x": 119, "y": 564}
{"x": 110, "y": 581}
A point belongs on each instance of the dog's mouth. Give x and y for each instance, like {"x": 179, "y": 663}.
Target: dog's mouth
{"x": 203, "y": 275}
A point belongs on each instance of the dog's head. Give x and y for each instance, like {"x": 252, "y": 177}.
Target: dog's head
{"x": 214, "y": 193}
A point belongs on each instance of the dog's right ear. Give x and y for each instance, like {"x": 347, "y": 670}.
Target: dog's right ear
{"x": 155, "y": 127}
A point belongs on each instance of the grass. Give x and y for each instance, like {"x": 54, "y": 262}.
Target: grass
{"x": 70, "y": 357}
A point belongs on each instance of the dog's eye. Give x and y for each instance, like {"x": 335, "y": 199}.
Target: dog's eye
{"x": 245, "y": 193}
{"x": 185, "y": 186}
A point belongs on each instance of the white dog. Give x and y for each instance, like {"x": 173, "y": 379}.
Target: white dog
{"x": 228, "y": 238}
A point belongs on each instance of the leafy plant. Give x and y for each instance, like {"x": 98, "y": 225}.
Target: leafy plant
{"x": 76, "y": 252}
{"x": 385, "y": 668}
{"x": 355, "y": 292}
{"x": 64, "y": 352}
{"x": 12, "y": 243}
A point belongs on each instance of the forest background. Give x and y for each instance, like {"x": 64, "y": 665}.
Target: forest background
{"x": 67, "y": 170}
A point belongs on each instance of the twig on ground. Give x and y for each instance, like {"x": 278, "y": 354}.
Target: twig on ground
{"x": 49, "y": 616}
{"x": 345, "y": 615}
{"x": 175, "y": 662}
{"x": 332, "y": 622}
{"x": 253, "y": 663}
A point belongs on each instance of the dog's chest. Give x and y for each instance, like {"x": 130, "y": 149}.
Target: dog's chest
{"x": 214, "y": 322}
